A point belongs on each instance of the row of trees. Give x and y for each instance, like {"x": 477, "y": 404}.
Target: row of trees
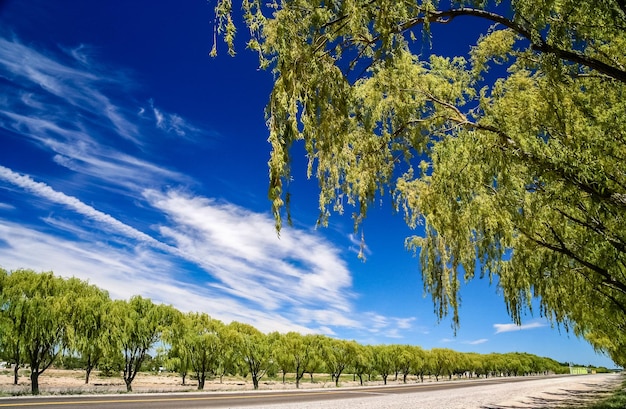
{"x": 43, "y": 316}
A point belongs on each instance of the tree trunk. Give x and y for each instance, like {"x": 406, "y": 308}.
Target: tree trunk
{"x": 184, "y": 376}
{"x": 201, "y": 380}
{"x": 87, "y": 373}
{"x": 34, "y": 382}
{"x": 128, "y": 382}
{"x": 16, "y": 358}
{"x": 255, "y": 382}
{"x": 385, "y": 379}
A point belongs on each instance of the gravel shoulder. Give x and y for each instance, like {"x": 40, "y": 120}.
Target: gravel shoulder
{"x": 542, "y": 393}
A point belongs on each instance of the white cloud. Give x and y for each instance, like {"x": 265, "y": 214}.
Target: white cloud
{"x": 476, "y": 342}
{"x": 77, "y": 151}
{"x": 500, "y": 328}
{"x": 171, "y": 123}
{"x": 243, "y": 252}
{"x": 107, "y": 221}
{"x": 66, "y": 79}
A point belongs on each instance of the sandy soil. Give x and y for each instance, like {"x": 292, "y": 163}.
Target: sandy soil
{"x": 56, "y": 381}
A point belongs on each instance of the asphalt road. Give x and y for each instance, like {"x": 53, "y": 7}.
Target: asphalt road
{"x": 237, "y": 399}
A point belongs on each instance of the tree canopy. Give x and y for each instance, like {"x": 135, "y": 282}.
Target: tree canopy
{"x": 507, "y": 160}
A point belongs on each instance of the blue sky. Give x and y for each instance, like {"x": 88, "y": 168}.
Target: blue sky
{"x": 131, "y": 159}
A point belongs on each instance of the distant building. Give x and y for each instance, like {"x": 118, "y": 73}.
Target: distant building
{"x": 578, "y": 370}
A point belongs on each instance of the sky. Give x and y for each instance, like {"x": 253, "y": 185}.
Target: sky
{"x": 132, "y": 159}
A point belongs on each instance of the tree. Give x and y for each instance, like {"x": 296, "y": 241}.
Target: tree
{"x": 518, "y": 177}
{"x": 90, "y": 328}
{"x": 178, "y": 358}
{"x": 282, "y": 358}
{"x": 9, "y": 329}
{"x": 419, "y": 362}
{"x": 294, "y": 352}
{"x": 200, "y": 340}
{"x": 363, "y": 361}
{"x": 254, "y": 350}
{"x": 138, "y": 326}
{"x": 36, "y": 312}
{"x": 441, "y": 362}
{"x": 316, "y": 362}
{"x": 384, "y": 361}
{"x": 338, "y": 355}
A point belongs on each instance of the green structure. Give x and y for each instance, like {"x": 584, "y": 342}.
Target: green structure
{"x": 578, "y": 370}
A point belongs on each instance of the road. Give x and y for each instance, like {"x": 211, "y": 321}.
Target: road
{"x": 239, "y": 399}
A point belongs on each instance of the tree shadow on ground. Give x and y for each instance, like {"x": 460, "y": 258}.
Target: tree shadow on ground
{"x": 562, "y": 399}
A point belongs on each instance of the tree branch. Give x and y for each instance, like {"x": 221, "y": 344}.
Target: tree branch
{"x": 536, "y": 41}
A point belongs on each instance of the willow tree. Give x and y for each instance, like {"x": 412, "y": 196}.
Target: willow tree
{"x": 137, "y": 326}
{"x": 518, "y": 178}
{"x": 198, "y": 341}
{"x": 90, "y": 325}
{"x": 36, "y": 314}
{"x": 253, "y": 349}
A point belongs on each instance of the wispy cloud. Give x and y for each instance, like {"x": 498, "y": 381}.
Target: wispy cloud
{"x": 295, "y": 282}
{"x": 46, "y": 192}
{"x": 67, "y": 78}
{"x": 476, "y": 341}
{"x": 242, "y": 250}
{"x": 500, "y": 328}
{"x": 77, "y": 151}
{"x": 171, "y": 123}
{"x": 70, "y": 106}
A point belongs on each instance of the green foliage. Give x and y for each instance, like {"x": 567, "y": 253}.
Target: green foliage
{"x": 294, "y": 352}
{"x": 518, "y": 178}
{"x": 137, "y": 326}
{"x": 111, "y": 365}
{"x": 36, "y": 310}
{"x": 199, "y": 343}
{"x": 338, "y": 355}
{"x": 253, "y": 349}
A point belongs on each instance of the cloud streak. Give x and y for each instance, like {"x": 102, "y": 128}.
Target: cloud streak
{"x": 73, "y": 81}
{"x": 501, "y": 328}
{"x": 46, "y": 192}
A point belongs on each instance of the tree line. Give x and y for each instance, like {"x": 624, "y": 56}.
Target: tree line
{"x": 44, "y": 316}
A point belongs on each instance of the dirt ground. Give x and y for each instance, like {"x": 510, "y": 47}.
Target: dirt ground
{"x": 57, "y": 381}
